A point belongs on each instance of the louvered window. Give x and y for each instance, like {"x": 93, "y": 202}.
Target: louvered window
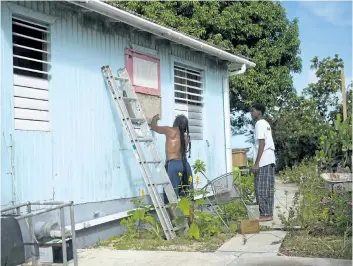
{"x": 31, "y": 56}
{"x": 188, "y": 95}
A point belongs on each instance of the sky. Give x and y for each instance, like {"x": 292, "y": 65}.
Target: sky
{"x": 325, "y": 29}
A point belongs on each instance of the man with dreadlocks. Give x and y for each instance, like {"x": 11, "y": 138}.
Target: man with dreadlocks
{"x": 177, "y": 166}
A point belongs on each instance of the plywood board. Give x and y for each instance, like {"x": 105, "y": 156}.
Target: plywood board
{"x": 151, "y": 105}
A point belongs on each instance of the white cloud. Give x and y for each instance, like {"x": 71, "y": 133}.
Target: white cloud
{"x": 336, "y": 12}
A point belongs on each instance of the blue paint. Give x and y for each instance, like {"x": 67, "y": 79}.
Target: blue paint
{"x": 87, "y": 156}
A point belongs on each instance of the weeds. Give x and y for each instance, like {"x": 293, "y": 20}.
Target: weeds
{"x": 303, "y": 244}
{"x": 324, "y": 216}
{"x": 206, "y": 231}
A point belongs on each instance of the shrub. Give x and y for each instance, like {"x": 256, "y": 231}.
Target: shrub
{"x": 315, "y": 208}
{"x": 140, "y": 223}
{"x": 297, "y": 173}
{"x": 233, "y": 212}
{"x": 245, "y": 183}
{"x": 336, "y": 146}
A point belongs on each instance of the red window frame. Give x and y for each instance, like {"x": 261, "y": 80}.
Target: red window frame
{"x": 129, "y": 54}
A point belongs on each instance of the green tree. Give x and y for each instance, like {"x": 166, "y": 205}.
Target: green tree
{"x": 324, "y": 91}
{"x": 297, "y": 128}
{"x": 300, "y": 122}
{"x": 339, "y": 107}
{"x": 259, "y": 30}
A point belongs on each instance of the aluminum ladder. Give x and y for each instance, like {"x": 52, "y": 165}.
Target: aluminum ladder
{"x": 138, "y": 131}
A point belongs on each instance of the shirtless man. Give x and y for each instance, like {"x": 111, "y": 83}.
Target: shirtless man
{"x": 177, "y": 166}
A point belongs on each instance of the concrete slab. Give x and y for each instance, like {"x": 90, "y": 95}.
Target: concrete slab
{"x": 288, "y": 261}
{"x": 109, "y": 257}
{"x": 264, "y": 242}
{"x": 255, "y": 254}
{"x": 284, "y": 196}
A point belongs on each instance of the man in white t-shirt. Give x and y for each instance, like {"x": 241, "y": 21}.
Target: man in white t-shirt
{"x": 265, "y": 160}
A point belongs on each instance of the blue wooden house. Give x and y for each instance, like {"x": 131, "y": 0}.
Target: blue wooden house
{"x": 61, "y": 138}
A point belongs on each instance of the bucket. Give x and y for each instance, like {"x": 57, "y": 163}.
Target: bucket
{"x": 253, "y": 212}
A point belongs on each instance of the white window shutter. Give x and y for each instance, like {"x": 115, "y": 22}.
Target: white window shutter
{"x": 31, "y": 72}
{"x": 188, "y": 95}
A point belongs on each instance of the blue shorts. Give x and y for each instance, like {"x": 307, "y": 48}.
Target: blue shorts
{"x": 175, "y": 170}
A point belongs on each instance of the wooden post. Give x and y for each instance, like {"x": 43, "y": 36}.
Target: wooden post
{"x": 344, "y": 100}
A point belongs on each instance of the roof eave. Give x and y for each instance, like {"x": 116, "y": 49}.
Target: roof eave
{"x": 158, "y": 30}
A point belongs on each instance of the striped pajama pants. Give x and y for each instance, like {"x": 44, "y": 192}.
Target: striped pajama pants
{"x": 265, "y": 189}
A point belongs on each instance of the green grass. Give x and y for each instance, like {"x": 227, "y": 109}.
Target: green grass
{"x": 265, "y": 228}
{"x": 209, "y": 244}
{"x": 302, "y": 244}
{"x": 203, "y": 245}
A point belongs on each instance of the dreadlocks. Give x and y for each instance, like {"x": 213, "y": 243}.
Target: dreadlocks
{"x": 182, "y": 123}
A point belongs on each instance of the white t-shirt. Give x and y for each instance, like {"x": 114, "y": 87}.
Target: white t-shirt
{"x": 263, "y": 131}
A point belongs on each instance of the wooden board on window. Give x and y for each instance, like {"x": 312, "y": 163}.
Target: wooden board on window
{"x": 151, "y": 105}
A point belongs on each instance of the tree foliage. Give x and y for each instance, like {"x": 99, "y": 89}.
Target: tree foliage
{"x": 297, "y": 128}
{"x": 339, "y": 108}
{"x": 323, "y": 92}
{"x": 303, "y": 119}
{"x": 256, "y": 29}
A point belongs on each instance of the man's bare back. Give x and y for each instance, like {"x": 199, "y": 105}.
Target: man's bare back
{"x": 172, "y": 144}
{"x": 177, "y": 166}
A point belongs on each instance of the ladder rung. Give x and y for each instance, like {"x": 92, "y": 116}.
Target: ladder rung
{"x": 179, "y": 228}
{"x": 137, "y": 120}
{"x": 152, "y": 162}
{"x": 145, "y": 139}
{"x": 138, "y": 131}
{"x": 120, "y": 78}
{"x": 159, "y": 183}
{"x": 129, "y": 99}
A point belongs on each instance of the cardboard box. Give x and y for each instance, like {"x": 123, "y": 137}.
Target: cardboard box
{"x": 249, "y": 227}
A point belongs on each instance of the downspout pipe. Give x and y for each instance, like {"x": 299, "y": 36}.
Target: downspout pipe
{"x": 226, "y": 106}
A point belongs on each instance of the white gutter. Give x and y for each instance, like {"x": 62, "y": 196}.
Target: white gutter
{"x": 226, "y": 109}
{"x": 154, "y": 28}
{"x": 238, "y": 72}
